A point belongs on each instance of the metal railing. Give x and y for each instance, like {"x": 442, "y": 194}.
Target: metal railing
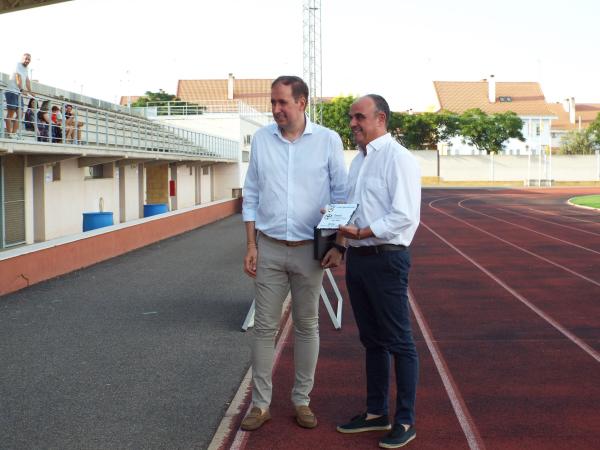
{"x": 92, "y": 126}
{"x": 174, "y": 108}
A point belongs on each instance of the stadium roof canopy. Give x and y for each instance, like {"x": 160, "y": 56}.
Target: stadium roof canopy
{"x": 7, "y": 6}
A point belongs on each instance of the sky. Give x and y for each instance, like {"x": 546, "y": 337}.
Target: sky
{"x": 395, "y": 48}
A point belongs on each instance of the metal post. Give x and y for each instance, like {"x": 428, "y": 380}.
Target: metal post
{"x": 1, "y": 113}
{"x": 540, "y": 156}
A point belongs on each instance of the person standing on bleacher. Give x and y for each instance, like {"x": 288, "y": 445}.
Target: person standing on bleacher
{"x": 18, "y": 85}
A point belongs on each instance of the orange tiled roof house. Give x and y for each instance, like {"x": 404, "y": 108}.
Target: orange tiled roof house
{"x": 526, "y": 99}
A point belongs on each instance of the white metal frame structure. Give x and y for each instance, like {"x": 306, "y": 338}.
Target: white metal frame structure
{"x": 336, "y": 317}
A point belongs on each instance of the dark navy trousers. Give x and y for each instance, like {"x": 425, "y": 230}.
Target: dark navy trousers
{"x": 378, "y": 289}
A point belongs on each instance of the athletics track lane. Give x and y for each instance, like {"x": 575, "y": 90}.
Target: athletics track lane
{"x": 520, "y": 382}
{"x": 339, "y": 394}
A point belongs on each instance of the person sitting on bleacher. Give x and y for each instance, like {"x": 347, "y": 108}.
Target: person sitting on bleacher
{"x": 43, "y": 122}
{"x": 56, "y": 119}
{"x": 71, "y": 125}
{"x": 29, "y": 119}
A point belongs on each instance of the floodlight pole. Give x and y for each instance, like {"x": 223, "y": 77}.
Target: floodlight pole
{"x": 312, "y": 59}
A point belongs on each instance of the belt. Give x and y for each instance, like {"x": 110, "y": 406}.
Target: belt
{"x": 376, "y": 249}
{"x": 287, "y": 243}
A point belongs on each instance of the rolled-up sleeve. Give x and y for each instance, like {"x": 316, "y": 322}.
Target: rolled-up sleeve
{"x": 250, "y": 201}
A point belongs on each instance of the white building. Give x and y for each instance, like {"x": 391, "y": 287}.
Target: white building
{"x": 525, "y": 99}
{"x": 120, "y": 163}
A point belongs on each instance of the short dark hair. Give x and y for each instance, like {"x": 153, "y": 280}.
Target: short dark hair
{"x": 381, "y": 105}
{"x": 299, "y": 87}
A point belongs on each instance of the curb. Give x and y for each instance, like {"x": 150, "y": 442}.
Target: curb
{"x": 228, "y": 434}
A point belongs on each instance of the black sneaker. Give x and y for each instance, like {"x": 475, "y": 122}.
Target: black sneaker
{"x": 398, "y": 437}
{"x": 359, "y": 423}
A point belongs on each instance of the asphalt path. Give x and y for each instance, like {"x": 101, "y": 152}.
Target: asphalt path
{"x": 143, "y": 351}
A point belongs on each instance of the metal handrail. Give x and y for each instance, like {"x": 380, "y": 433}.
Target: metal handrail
{"x": 111, "y": 129}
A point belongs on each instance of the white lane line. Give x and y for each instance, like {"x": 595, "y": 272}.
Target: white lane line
{"x": 524, "y": 250}
{"x": 586, "y": 348}
{"x": 549, "y": 221}
{"x": 458, "y": 404}
{"x": 236, "y": 407}
{"x": 497, "y": 219}
{"x": 571, "y": 216}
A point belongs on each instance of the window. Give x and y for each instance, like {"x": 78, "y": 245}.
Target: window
{"x": 101, "y": 171}
{"x": 205, "y": 170}
{"x": 247, "y": 139}
{"x": 96, "y": 171}
{"x": 52, "y": 172}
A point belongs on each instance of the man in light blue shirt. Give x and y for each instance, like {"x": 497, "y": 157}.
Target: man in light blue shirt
{"x": 296, "y": 168}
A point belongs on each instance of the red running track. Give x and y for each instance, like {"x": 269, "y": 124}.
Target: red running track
{"x": 505, "y": 290}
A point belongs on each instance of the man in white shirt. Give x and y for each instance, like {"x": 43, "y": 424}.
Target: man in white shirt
{"x": 385, "y": 181}
{"x": 18, "y": 85}
{"x": 296, "y": 168}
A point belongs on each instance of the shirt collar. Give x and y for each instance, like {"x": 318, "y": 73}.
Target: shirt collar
{"x": 308, "y": 129}
{"x": 378, "y": 143}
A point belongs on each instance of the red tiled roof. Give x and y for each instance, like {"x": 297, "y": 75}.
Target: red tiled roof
{"x": 527, "y": 98}
{"x": 130, "y": 98}
{"x": 586, "y": 111}
{"x": 254, "y": 92}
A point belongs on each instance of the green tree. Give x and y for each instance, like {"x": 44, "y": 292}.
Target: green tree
{"x": 335, "y": 116}
{"x": 425, "y": 130}
{"x": 577, "y": 143}
{"x": 594, "y": 132}
{"x": 160, "y": 96}
{"x": 489, "y": 132}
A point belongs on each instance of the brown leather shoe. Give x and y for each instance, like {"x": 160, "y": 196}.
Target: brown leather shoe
{"x": 255, "y": 419}
{"x": 305, "y": 417}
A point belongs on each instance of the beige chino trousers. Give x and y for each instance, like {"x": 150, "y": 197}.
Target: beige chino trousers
{"x": 279, "y": 270}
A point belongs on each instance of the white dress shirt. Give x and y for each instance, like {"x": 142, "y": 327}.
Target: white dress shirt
{"x": 386, "y": 183}
{"x": 288, "y": 183}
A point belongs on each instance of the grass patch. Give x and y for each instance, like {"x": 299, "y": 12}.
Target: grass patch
{"x": 593, "y": 201}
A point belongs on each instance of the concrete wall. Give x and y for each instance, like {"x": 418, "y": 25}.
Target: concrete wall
{"x": 128, "y": 192}
{"x": 185, "y": 186}
{"x": 206, "y": 184}
{"x": 518, "y": 168}
{"x": 66, "y": 199}
{"x": 504, "y": 167}
{"x": 226, "y": 178}
{"x": 22, "y": 267}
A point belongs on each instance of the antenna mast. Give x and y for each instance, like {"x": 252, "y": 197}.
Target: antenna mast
{"x": 311, "y": 31}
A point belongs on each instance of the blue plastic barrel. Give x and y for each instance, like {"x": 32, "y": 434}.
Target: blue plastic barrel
{"x": 94, "y": 220}
{"x": 153, "y": 209}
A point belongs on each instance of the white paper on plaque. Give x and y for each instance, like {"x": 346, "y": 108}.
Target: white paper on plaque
{"x": 336, "y": 215}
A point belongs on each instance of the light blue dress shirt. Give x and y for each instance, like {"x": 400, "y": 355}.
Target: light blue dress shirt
{"x": 288, "y": 183}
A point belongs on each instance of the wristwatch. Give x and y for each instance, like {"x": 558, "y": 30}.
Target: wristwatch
{"x": 339, "y": 247}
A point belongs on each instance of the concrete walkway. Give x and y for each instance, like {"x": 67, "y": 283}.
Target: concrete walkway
{"x": 142, "y": 351}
